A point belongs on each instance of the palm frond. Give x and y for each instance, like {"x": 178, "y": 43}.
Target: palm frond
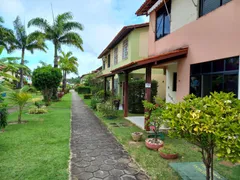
{"x": 40, "y": 23}
{"x": 36, "y": 46}
{"x": 1, "y": 19}
{"x": 72, "y": 38}
{"x": 68, "y": 26}
{"x": 62, "y": 18}
{"x": 35, "y": 36}
{"x": 20, "y": 31}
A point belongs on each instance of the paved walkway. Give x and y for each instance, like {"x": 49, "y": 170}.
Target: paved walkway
{"x": 96, "y": 155}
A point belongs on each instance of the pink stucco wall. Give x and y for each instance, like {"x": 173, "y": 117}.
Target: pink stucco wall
{"x": 211, "y": 37}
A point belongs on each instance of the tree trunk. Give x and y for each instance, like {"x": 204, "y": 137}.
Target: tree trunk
{"x": 20, "y": 115}
{"x": 21, "y": 70}
{"x": 55, "y": 56}
{"x": 212, "y": 151}
{"x": 64, "y": 81}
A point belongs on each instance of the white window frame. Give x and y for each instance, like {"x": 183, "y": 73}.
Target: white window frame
{"x": 125, "y": 49}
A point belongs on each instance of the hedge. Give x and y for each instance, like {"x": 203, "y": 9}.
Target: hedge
{"x": 136, "y": 95}
{"x": 83, "y": 90}
{"x": 87, "y": 96}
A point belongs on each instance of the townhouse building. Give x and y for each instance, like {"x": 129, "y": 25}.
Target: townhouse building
{"x": 206, "y": 35}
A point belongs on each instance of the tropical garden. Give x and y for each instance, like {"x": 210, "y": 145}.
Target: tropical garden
{"x": 35, "y": 106}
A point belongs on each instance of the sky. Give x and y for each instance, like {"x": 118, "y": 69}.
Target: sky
{"x": 102, "y": 20}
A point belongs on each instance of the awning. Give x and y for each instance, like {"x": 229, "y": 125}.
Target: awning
{"x": 106, "y": 75}
{"x": 153, "y": 61}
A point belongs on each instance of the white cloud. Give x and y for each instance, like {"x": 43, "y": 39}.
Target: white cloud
{"x": 11, "y": 7}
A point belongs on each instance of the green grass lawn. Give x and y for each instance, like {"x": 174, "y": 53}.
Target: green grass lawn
{"x": 40, "y": 148}
{"x": 151, "y": 161}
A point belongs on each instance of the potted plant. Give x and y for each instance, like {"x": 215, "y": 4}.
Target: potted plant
{"x": 168, "y": 152}
{"x": 136, "y": 136}
{"x": 155, "y": 120}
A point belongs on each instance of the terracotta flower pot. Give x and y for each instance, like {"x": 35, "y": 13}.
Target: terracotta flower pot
{"x": 150, "y": 143}
{"x": 168, "y": 156}
{"x": 136, "y": 136}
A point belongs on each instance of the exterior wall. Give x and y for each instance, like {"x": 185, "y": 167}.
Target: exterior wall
{"x": 157, "y": 74}
{"x": 170, "y": 94}
{"x": 211, "y": 37}
{"x": 182, "y": 13}
{"x": 137, "y": 49}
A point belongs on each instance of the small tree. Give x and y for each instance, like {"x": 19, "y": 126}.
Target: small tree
{"x": 212, "y": 123}
{"x": 20, "y": 98}
{"x": 154, "y": 115}
{"x": 45, "y": 79}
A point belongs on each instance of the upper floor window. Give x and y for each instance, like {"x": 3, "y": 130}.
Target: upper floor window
{"x": 125, "y": 49}
{"x": 163, "y": 21}
{"x": 207, "y": 6}
{"x": 116, "y": 55}
{"x": 109, "y": 61}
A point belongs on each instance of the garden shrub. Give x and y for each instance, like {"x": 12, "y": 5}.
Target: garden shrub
{"x": 94, "y": 102}
{"x": 46, "y": 79}
{"x": 83, "y": 90}
{"x": 211, "y": 122}
{"x": 3, "y": 115}
{"x": 87, "y": 96}
{"x": 36, "y": 110}
{"x": 108, "y": 111}
{"x": 136, "y": 94}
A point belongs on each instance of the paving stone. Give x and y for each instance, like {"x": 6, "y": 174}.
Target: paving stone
{"x": 101, "y": 174}
{"x": 91, "y": 169}
{"x": 95, "y": 152}
{"x": 116, "y": 172}
{"x": 128, "y": 177}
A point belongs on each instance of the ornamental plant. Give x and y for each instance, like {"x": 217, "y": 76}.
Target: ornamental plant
{"x": 3, "y": 115}
{"x": 154, "y": 115}
{"x": 46, "y": 79}
{"x": 211, "y": 122}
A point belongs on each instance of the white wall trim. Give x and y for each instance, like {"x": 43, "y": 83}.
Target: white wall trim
{"x": 154, "y": 6}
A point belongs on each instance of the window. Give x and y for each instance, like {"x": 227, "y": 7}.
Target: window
{"x": 163, "y": 21}
{"x": 116, "y": 55}
{"x": 109, "y": 61}
{"x": 125, "y": 49}
{"x": 207, "y": 6}
{"x": 219, "y": 75}
{"x": 174, "y": 86}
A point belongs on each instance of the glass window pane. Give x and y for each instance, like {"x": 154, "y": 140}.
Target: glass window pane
{"x": 195, "y": 85}
{"x": 217, "y": 83}
{"x": 159, "y": 26}
{"x": 166, "y": 25}
{"x": 206, "y": 85}
{"x": 206, "y": 67}
{"x": 195, "y": 69}
{"x": 218, "y": 65}
{"x": 231, "y": 83}
{"x": 225, "y": 1}
{"x": 210, "y": 5}
{"x": 232, "y": 64}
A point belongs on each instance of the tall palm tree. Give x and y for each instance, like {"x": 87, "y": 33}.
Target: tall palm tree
{"x": 25, "y": 42}
{"x": 68, "y": 64}
{"x": 61, "y": 32}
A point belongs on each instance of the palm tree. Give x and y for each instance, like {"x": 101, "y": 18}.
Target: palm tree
{"x": 23, "y": 41}
{"x": 68, "y": 64}
{"x": 20, "y": 98}
{"x": 61, "y": 32}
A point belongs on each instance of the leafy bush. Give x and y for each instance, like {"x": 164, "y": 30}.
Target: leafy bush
{"x": 3, "y": 115}
{"x": 87, "y": 96}
{"x": 46, "y": 79}
{"x": 94, "y": 102}
{"x": 36, "y": 110}
{"x": 100, "y": 95}
{"x": 83, "y": 90}
{"x": 136, "y": 94}
{"x": 107, "y": 109}
{"x": 211, "y": 122}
